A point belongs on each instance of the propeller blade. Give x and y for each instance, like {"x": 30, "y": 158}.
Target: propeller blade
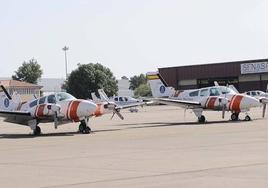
{"x": 263, "y": 110}
{"x": 113, "y": 115}
{"x": 223, "y": 111}
{"x": 56, "y": 120}
{"x": 119, "y": 114}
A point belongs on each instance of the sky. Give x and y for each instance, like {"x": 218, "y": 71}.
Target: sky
{"x": 130, "y": 36}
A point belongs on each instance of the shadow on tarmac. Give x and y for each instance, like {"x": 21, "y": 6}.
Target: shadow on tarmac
{"x": 19, "y": 136}
{"x": 132, "y": 126}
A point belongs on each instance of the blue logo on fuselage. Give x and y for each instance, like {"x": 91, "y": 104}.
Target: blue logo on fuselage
{"x": 162, "y": 89}
{"x": 6, "y": 102}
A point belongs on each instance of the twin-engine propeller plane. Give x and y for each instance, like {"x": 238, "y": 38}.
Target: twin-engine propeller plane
{"x": 218, "y": 98}
{"x": 59, "y": 108}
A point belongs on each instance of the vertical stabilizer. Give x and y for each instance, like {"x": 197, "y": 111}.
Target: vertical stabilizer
{"x": 158, "y": 85}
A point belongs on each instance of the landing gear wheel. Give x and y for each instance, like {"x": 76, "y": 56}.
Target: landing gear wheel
{"x": 201, "y": 119}
{"x": 87, "y": 130}
{"x": 37, "y": 131}
{"x": 81, "y": 128}
{"x": 234, "y": 116}
{"x": 247, "y": 118}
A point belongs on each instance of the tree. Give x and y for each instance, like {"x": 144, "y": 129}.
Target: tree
{"x": 143, "y": 91}
{"x": 136, "y": 81}
{"x": 29, "y": 72}
{"x": 88, "y": 78}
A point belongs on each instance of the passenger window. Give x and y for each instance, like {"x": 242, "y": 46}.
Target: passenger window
{"x": 248, "y": 93}
{"x": 194, "y": 93}
{"x": 204, "y": 92}
{"x": 42, "y": 100}
{"x": 51, "y": 99}
{"x": 120, "y": 99}
{"x": 214, "y": 92}
{"x": 32, "y": 104}
{"x": 116, "y": 99}
{"x": 253, "y": 93}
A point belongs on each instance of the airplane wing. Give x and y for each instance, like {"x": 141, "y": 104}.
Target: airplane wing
{"x": 19, "y": 117}
{"x": 176, "y": 102}
{"x": 131, "y": 105}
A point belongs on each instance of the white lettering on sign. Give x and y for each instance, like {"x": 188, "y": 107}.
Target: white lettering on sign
{"x": 248, "y": 68}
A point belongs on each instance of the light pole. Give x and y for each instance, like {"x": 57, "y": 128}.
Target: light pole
{"x": 65, "y": 48}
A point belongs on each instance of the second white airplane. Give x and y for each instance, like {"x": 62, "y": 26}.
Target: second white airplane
{"x": 219, "y": 98}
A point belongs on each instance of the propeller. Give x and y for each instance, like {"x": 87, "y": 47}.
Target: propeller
{"x": 223, "y": 102}
{"x": 264, "y": 101}
{"x": 263, "y": 110}
{"x": 110, "y": 105}
{"x": 56, "y": 109}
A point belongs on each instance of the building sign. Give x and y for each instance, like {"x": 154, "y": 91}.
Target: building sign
{"x": 248, "y": 68}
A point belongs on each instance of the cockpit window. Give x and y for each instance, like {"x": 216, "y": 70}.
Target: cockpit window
{"x": 194, "y": 93}
{"x": 64, "y": 96}
{"x": 51, "y": 99}
{"x": 214, "y": 92}
{"x": 32, "y": 104}
{"x": 42, "y": 100}
{"x": 204, "y": 93}
{"x": 226, "y": 90}
{"x": 126, "y": 99}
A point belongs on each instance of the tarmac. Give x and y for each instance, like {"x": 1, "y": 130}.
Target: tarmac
{"x": 160, "y": 146}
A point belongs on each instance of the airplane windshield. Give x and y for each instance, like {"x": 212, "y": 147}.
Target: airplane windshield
{"x": 226, "y": 90}
{"x": 64, "y": 96}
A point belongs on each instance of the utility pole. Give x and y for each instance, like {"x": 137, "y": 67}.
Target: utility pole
{"x": 65, "y": 48}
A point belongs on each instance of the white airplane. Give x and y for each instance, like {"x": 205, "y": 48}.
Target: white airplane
{"x": 59, "y": 108}
{"x": 106, "y": 105}
{"x": 258, "y": 93}
{"x": 219, "y": 98}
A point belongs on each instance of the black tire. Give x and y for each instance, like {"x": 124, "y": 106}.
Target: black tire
{"x": 247, "y": 118}
{"x": 37, "y": 131}
{"x": 87, "y": 130}
{"x": 202, "y": 119}
{"x": 234, "y": 116}
{"x": 81, "y": 128}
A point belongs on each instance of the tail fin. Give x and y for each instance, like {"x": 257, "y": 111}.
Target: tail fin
{"x": 94, "y": 97}
{"x": 158, "y": 85}
{"x": 7, "y": 102}
{"x": 103, "y": 95}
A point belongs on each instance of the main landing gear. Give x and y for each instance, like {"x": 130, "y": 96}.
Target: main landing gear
{"x": 83, "y": 128}
{"x": 37, "y": 131}
{"x": 202, "y": 119}
{"x": 235, "y": 117}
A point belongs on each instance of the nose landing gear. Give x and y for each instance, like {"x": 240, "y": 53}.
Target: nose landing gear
{"x": 83, "y": 128}
{"x": 202, "y": 119}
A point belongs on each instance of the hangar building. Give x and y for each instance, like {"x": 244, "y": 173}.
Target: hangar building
{"x": 244, "y": 75}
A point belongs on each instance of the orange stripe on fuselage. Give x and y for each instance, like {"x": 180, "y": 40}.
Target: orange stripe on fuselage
{"x": 73, "y": 111}
{"x": 211, "y": 102}
{"x": 68, "y": 108}
{"x": 40, "y": 110}
{"x": 236, "y": 103}
{"x": 231, "y": 101}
